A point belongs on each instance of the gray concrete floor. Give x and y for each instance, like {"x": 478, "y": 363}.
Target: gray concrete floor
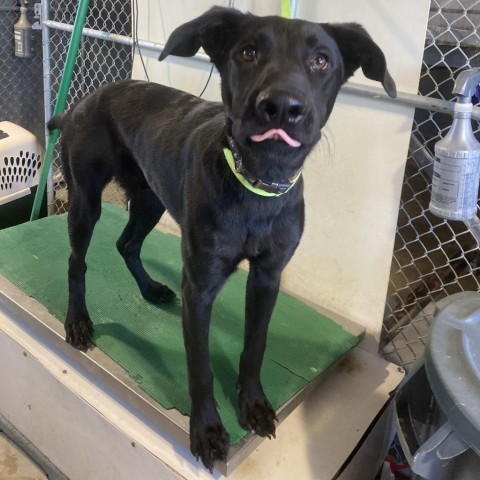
{"x": 15, "y": 465}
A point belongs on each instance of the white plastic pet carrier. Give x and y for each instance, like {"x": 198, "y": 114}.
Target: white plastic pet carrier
{"x": 21, "y": 157}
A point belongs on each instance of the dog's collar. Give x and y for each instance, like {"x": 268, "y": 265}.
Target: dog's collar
{"x": 255, "y": 185}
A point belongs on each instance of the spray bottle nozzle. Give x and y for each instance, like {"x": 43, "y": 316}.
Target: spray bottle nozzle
{"x": 466, "y": 84}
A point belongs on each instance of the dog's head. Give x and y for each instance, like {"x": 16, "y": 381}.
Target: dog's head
{"x": 279, "y": 77}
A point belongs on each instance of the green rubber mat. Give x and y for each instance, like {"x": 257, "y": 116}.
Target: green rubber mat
{"x": 146, "y": 339}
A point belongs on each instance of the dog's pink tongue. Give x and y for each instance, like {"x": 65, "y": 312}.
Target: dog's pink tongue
{"x": 275, "y": 133}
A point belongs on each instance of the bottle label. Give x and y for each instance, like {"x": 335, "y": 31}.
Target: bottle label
{"x": 24, "y": 42}
{"x": 455, "y": 183}
{"x": 445, "y": 182}
{"x": 18, "y": 43}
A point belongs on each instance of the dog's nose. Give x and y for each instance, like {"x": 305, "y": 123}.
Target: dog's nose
{"x": 280, "y": 107}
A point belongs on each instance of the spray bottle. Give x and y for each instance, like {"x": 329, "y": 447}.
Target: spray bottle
{"x": 23, "y": 33}
{"x": 457, "y": 158}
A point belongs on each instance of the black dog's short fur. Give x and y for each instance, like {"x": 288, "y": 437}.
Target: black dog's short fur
{"x": 165, "y": 147}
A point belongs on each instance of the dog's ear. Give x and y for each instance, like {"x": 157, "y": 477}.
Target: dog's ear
{"x": 215, "y": 31}
{"x": 359, "y": 50}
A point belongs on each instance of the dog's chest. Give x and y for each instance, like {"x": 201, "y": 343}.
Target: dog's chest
{"x": 260, "y": 233}
{"x": 254, "y": 245}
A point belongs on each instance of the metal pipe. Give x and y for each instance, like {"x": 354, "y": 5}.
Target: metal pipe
{"x": 47, "y": 95}
{"x": 61, "y": 101}
{"x": 14, "y": 9}
{"x": 122, "y": 39}
{"x": 112, "y": 37}
{"x": 413, "y": 100}
{"x": 293, "y": 8}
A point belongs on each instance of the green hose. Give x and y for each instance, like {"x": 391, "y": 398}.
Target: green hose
{"x": 61, "y": 101}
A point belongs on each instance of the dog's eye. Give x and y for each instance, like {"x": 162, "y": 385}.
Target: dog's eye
{"x": 248, "y": 54}
{"x": 319, "y": 61}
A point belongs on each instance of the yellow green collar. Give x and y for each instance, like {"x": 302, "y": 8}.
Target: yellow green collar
{"x": 255, "y": 185}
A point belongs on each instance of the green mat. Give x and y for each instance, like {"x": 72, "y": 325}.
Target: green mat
{"x": 146, "y": 339}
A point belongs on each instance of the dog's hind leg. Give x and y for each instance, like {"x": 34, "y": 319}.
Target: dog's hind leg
{"x": 84, "y": 208}
{"x": 145, "y": 212}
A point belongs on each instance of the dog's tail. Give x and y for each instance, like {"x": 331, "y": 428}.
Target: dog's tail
{"x": 56, "y": 122}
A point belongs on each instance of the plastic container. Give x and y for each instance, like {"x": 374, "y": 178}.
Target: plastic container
{"x": 456, "y": 168}
{"x": 438, "y": 406}
{"x": 21, "y": 157}
{"x": 23, "y": 34}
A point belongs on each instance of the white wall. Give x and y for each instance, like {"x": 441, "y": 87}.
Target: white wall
{"x": 353, "y": 179}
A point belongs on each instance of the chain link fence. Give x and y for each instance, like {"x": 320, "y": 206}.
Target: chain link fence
{"x": 432, "y": 257}
{"x": 21, "y": 79}
{"x": 98, "y": 62}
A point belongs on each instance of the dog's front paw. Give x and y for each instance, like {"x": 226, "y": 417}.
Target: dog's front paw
{"x": 208, "y": 441}
{"x": 157, "y": 292}
{"x": 79, "y": 332}
{"x": 257, "y": 415}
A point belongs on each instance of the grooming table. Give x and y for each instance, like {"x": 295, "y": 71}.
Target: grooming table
{"x": 129, "y": 396}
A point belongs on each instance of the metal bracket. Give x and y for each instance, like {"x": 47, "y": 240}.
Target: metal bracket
{"x": 37, "y": 11}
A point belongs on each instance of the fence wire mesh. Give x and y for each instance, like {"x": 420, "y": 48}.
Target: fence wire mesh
{"x": 98, "y": 62}
{"x": 432, "y": 258}
{"x": 21, "y": 79}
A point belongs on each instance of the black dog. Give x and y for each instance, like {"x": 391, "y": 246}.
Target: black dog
{"x": 280, "y": 79}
